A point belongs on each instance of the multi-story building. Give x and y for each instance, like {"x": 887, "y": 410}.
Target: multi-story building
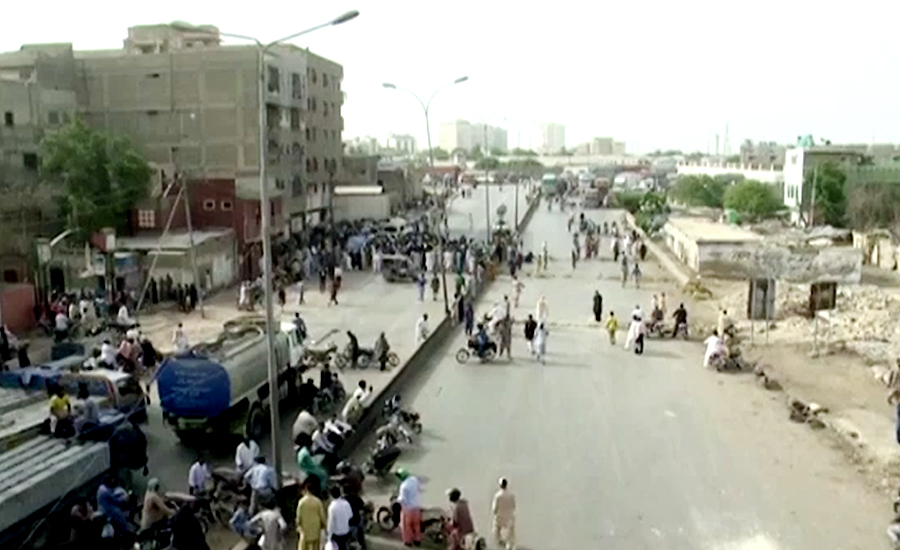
{"x": 37, "y": 96}
{"x": 362, "y": 146}
{"x": 553, "y": 138}
{"x": 191, "y": 105}
{"x": 403, "y": 144}
{"x": 461, "y": 134}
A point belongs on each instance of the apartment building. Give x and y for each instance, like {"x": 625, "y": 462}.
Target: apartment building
{"x": 37, "y": 96}
{"x": 190, "y": 104}
{"x": 402, "y": 144}
{"x": 462, "y": 134}
{"x": 766, "y": 154}
{"x": 553, "y": 138}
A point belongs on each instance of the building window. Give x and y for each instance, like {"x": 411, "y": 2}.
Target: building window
{"x": 10, "y": 276}
{"x": 308, "y": 134}
{"x": 279, "y": 184}
{"x": 273, "y": 81}
{"x": 53, "y": 118}
{"x": 313, "y": 76}
{"x": 226, "y": 206}
{"x": 296, "y": 186}
{"x": 209, "y": 205}
{"x": 295, "y": 118}
{"x": 313, "y": 104}
{"x": 315, "y": 134}
{"x": 30, "y": 161}
{"x": 308, "y": 166}
{"x": 324, "y": 108}
{"x": 315, "y": 164}
{"x": 8, "y": 118}
{"x": 146, "y": 219}
{"x": 324, "y": 80}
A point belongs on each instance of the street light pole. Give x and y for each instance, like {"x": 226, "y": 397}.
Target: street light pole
{"x": 426, "y": 107}
{"x": 487, "y": 190}
{"x": 266, "y": 215}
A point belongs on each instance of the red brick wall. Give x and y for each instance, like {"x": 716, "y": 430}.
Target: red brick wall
{"x": 209, "y": 202}
{"x": 17, "y": 307}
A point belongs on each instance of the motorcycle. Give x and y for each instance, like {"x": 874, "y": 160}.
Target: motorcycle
{"x": 464, "y": 354}
{"x": 382, "y": 459}
{"x": 229, "y": 487}
{"x": 366, "y": 357}
{"x": 313, "y": 358}
{"x": 433, "y": 530}
{"x": 409, "y": 418}
{"x": 329, "y": 397}
{"x": 393, "y": 432}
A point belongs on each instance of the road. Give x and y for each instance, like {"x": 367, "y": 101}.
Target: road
{"x": 368, "y": 306}
{"x": 606, "y": 449}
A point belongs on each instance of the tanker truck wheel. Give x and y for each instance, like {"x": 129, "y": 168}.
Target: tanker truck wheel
{"x": 256, "y": 422}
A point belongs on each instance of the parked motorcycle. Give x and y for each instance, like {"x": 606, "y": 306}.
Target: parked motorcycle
{"x": 408, "y": 418}
{"x": 433, "y": 519}
{"x": 382, "y": 459}
{"x": 318, "y": 357}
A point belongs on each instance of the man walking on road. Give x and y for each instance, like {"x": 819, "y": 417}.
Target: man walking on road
{"x": 503, "y": 509}
{"x": 310, "y": 520}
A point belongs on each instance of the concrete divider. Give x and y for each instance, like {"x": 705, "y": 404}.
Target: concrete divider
{"x": 420, "y": 359}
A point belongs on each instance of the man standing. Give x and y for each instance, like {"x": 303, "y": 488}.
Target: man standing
{"x": 180, "y": 339}
{"x": 310, "y": 519}
{"x": 263, "y": 483}
{"x": 410, "y": 499}
{"x": 246, "y": 455}
{"x": 421, "y": 329}
{"x": 273, "y": 526}
{"x": 597, "y": 306}
{"x": 505, "y": 328}
{"x": 503, "y": 509}
{"x": 339, "y": 515}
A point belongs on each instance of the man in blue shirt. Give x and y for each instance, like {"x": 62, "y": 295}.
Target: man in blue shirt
{"x": 263, "y": 483}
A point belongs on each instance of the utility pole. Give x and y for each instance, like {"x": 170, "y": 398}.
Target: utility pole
{"x": 812, "y": 202}
{"x": 187, "y": 217}
{"x": 159, "y": 243}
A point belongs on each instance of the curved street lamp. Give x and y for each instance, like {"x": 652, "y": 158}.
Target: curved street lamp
{"x": 265, "y": 210}
{"x": 426, "y": 107}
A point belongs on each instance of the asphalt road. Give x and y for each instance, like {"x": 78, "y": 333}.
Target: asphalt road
{"x": 170, "y": 459}
{"x": 606, "y": 449}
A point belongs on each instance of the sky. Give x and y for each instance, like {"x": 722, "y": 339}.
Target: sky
{"x": 656, "y": 74}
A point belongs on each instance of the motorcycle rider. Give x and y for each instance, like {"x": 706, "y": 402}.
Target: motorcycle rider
{"x": 155, "y": 511}
{"x": 309, "y": 465}
{"x": 681, "y": 320}
{"x": 381, "y": 350}
{"x": 461, "y": 524}
{"x": 715, "y": 347}
{"x": 187, "y": 533}
{"x": 482, "y": 341}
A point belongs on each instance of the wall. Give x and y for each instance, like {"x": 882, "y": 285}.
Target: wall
{"x": 683, "y": 247}
{"x": 17, "y": 307}
{"x": 217, "y": 264}
{"x": 804, "y": 265}
{"x": 765, "y": 174}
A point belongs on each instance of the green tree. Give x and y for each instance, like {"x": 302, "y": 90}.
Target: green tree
{"x": 701, "y": 190}
{"x": 488, "y": 163}
{"x": 440, "y": 154}
{"x": 517, "y": 152}
{"x": 753, "y": 199}
{"x": 497, "y": 152}
{"x": 476, "y": 153}
{"x": 830, "y": 194}
{"x": 102, "y": 177}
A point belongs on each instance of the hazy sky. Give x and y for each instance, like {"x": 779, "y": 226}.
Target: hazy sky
{"x": 657, "y": 74}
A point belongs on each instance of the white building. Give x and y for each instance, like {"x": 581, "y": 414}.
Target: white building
{"x": 462, "y": 134}
{"x": 765, "y": 174}
{"x": 801, "y": 161}
{"x": 402, "y": 143}
{"x": 553, "y": 138}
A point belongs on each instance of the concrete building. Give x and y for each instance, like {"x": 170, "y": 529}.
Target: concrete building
{"x": 362, "y": 146}
{"x": 190, "y": 105}
{"x": 801, "y": 161}
{"x": 37, "y": 96}
{"x": 461, "y": 134}
{"x": 403, "y": 144}
{"x": 763, "y": 153}
{"x": 553, "y": 138}
{"x": 701, "y": 243}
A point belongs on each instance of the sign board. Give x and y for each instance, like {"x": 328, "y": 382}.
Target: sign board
{"x": 803, "y": 265}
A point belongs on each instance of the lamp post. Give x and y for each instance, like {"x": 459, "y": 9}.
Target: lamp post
{"x": 487, "y": 189}
{"x": 426, "y": 107}
{"x": 266, "y": 209}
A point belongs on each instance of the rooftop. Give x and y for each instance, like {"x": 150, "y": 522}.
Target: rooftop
{"x": 180, "y": 240}
{"x": 343, "y": 190}
{"x": 703, "y": 230}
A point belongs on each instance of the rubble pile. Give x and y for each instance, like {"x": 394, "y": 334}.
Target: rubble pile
{"x": 866, "y": 319}
{"x": 695, "y": 290}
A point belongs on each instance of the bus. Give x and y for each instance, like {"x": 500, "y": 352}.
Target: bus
{"x": 549, "y": 184}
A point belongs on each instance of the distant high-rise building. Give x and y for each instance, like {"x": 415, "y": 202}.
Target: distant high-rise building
{"x": 461, "y": 134}
{"x": 553, "y": 138}
{"x": 402, "y": 143}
